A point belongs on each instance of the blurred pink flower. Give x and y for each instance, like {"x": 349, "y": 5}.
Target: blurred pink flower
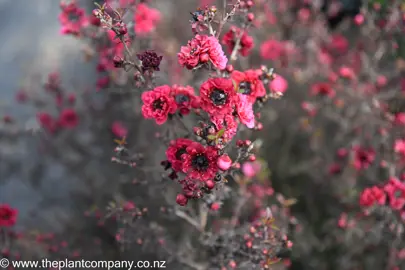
{"x": 250, "y": 169}
{"x": 279, "y": 84}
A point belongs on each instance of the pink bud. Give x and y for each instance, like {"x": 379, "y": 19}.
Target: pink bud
{"x": 210, "y": 184}
{"x": 381, "y": 80}
{"x": 250, "y": 169}
{"x": 279, "y": 84}
{"x": 346, "y": 72}
{"x": 215, "y": 206}
{"x": 359, "y": 19}
{"x": 224, "y": 162}
{"x": 128, "y": 206}
{"x": 181, "y": 200}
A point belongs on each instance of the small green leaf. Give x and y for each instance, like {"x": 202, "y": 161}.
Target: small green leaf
{"x": 211, "y": 137}
{"x": 220, "y": 133}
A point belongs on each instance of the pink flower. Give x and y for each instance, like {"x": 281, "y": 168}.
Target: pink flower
{"x": 399, "y": 147}
{"x": 322, "y": 89}
{"x": 244, "y": 108}
{"x": 174, "y": 152}
{"x": 339, "y": 44}
{"x": 200, "y": 50}
{"x": 400, "y": 119}
{"x": 218, "y": 96}
{"x": 249, "y": 83}
{"x": 158, "y": 104}
{"x": 227, "y": 123}
{"x": 363, "y": 157}
{"x": 8, "y": 215}
{"x": 145, "y": 19}
{"x": 68, "y": 118}
{"x": 72, "y": 18}
{"x": 372, "y": 195}
{"x": 271, "y": 49}
{"x": 200, "y": 162}
{"x": 279, "y": 84}
{"x": 246, "y": 42}
{"x": 47, "y": 122}
{"x": 118, "y": 129}
{"x": 250, "y": 169}
{"x": 185, "y": 98}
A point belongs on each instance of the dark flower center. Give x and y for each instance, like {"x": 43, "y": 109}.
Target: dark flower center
{"x": 181, "y": 99}
{"x": 218, "y": 97}
{"x": 158, "y": 104}
{"x": 323, "y": 89}
{"x": 73, "y": 17}
{"x": 5, "y": 215}
{"x": 363, "y": 157}
{"x": 200, "y": 162}
{"x": 196, "y": 14}
{"x": 245, "y": 88}
{"x": 180, "y": 152}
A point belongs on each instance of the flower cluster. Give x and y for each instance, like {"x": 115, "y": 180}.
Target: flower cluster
{"x": 392, "y": 193}
{"x": 202, "y": 49}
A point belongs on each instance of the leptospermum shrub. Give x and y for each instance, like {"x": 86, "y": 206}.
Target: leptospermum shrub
{"x": 209, "y": 180}
{"x": 205, "y": 148}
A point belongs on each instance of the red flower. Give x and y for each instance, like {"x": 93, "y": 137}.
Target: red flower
{"x": 158, "y": 104}
{"x": 249, "y": 84}
{"x": 372, "y": 195}
{"x": 200, "y": 50}
{"x": 8, "y": 215}
{"x": 363, "y": 157}
{"x": 246, "y": 42}
{"x": 228, "y": 123}
{"x": 72, "y": 18}
{"x": 200, "y": 163}
{"x": 272, "y": 49}
{"x": 145, "y": 19}
{"x": 244, "y": 109}
{"x": 322, "y": 89}
{"x": 174, "y": 152}
{"x": 218, "y": 96}
{"x": 68, "y": 118}
{"x": 185, "y": 98}
{"x": 47, "y": 122}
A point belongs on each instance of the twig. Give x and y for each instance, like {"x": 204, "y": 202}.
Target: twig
{"x": 189, "y": 219}
{"x": 138, "y": 67}
{"x": 203, "y": 216}
{"x": 227, "y": 17}
{"x": 236, "y": 48}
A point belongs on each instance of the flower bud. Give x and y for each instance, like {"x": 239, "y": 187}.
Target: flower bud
{"x": 224, "y": 162}
{"x": 181, "y": 200}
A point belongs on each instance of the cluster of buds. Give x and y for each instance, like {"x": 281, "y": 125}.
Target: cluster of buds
{"x": 107, "y": 21}
{"x": 201, "y": 18}
{"x": 262, "y": 244}
{"x": 123, "y": 156}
